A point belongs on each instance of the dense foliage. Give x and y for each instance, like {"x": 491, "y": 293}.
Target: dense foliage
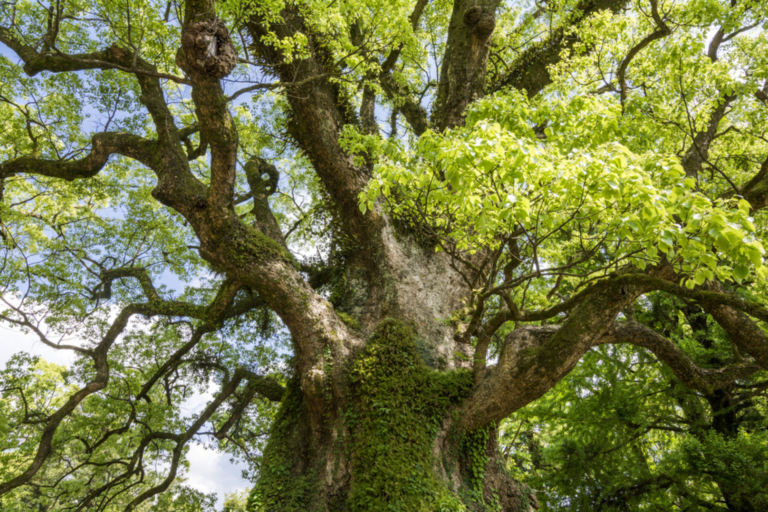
{"x": 622, "y": 433}
{"x": 361, "y": 246}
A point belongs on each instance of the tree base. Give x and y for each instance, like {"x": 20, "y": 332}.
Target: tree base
{"x": 389, "y": 447}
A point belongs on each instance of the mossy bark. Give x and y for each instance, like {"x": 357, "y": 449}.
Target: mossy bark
{"x": 390, "y": 446}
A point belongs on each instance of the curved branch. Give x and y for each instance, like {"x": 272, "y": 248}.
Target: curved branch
{"x": 700, "y": 379}
{"x": 267, "y": 387}
{"x": 261, "y": 188}
{"x": 534, "y": 359}
{"x": 35, "y": 62}
{"x": 114, "y": 57}
{"x": 103, "y": 145}
{"x": 221, "y": 308}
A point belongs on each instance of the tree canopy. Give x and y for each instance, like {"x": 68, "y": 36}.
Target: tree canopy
{"x": 421, "y": 254}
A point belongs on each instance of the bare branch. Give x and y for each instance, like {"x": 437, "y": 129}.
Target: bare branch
{"x": 103, "y": 145}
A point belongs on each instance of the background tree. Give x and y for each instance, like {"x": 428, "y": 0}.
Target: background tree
{"x": 208, "y": 195}
{"x": 622, "y": 433}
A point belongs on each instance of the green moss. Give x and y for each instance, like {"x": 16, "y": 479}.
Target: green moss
{"x": 255, "y": 244}
{"x": 398, "y": 405}
{"x": 349, "y": 320}
{"x": 396, "y": 411}
{"x": 284, "y": 484}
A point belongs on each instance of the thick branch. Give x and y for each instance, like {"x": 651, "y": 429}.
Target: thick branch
{"x": 462, "y": 77}
{"x": 319, "y": 112}
{"x": 530, "y": 70}
{"x": 167, "y": 159}
{"x": 534, "y": 359}
{"x": 207, "y": 55}
{"x": 103, "y": 145}
{"x": 406, "y": 102}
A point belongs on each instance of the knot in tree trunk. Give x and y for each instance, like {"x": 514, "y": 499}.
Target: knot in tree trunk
{"x": 479, "y": 22}
{"x": 208, "y": 49}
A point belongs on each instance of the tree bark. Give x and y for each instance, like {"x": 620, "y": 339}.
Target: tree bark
{"x": 392, "y": 441}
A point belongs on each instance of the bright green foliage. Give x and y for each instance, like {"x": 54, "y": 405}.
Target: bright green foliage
{"x": 43, "y": 383}
{"x": 496, "y": 166}
{"x": 582, "y": 179}
{"x": 620, "y": 433}
{"x": 236, "y": 501}
{"x": 738, "y": 463}
{"x": 46, "y": 387}
{"x": 398, "y": 406}
{"x": 595, "y": 160}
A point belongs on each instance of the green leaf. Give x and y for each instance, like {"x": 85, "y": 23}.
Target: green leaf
{"x": 740, "y": 272}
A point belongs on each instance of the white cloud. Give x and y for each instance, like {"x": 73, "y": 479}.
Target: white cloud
{"x": 211, "y": 471}
{"x": 13, "y": 341}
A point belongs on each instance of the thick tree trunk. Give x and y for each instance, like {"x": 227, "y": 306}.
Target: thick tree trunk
{"x": 390, "y": 443}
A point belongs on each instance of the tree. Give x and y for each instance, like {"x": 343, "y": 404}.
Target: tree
{"x": 236, "y": 502}
{"x": 622, "y": 433}
{"x": 239, "y": 200}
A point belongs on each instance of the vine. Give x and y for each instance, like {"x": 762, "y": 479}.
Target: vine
{"x": 475, "y": 446}
{"x": 398, "y": 407}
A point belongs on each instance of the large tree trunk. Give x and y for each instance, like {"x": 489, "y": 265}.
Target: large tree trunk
{"x": 386, "y": 439}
